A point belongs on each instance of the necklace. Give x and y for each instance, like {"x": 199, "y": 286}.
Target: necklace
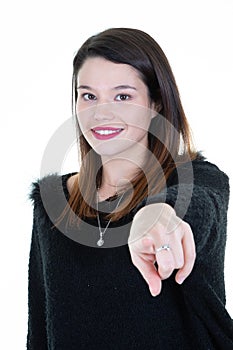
{"x": 100, "y": 241}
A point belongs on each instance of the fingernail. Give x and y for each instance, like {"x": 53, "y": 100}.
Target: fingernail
{"x": 180, "y": 279}
{"x": 154, "y": 294}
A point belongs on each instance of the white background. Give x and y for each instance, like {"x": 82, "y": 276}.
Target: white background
{"x": 38, "y": 42}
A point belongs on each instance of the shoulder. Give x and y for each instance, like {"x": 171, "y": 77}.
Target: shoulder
{"x": 209, "y": 174}
{"x": 202, "y": 163}
{"x": 48, "y": 184}
{"x": 200, "y": 172}
{"x": 51, "y": 184}
{"x": 50, "y": 193}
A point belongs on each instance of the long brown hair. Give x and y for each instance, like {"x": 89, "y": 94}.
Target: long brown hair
{"x": 139, "y": 50}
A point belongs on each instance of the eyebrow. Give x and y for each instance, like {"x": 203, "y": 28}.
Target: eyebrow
{"x": 119, "y": 87}
{"x": 84, "y": 87}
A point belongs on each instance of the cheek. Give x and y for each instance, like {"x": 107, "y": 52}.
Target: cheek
{"x": 140, "y": 121}
{"x": 84, "y": 118}
{"x": 81, "y": 124}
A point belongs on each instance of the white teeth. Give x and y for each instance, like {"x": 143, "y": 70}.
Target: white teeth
{"x": 107, "y": 132}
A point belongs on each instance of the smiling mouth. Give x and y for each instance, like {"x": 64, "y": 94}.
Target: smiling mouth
{"x": 106, "y": 133}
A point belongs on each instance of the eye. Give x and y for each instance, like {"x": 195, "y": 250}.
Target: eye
{"x": 88, "y": 97}
{"x": 123, "y": 97}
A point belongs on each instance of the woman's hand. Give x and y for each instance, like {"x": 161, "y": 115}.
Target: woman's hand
{"x": 158, "y": 235}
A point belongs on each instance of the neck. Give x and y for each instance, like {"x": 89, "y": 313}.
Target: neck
{"x": 116, "y": 178}
{"x": 118, "y": 172}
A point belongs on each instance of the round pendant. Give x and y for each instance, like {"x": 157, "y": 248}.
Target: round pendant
{"x": 100, "y": 242}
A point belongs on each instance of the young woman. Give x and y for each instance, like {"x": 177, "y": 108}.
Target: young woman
{"x": 128, "y": 253}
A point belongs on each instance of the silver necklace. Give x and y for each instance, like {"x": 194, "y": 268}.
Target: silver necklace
{"x": 100, "y": 241}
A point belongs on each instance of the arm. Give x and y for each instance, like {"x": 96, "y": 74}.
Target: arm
{"x": 36, "y": 338}
{"x": 207, "y": 208}
{"x": 203, "y": 217}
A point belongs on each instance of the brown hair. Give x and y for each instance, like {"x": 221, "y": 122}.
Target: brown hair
{"x": 139, "y": 50}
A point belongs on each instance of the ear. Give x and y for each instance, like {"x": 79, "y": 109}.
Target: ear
{"x": 155, "y": 109}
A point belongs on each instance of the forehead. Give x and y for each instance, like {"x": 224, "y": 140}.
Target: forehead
{"x": 97, "y": 70}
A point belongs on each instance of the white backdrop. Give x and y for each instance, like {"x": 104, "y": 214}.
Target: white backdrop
{"x": 38, "y": 42}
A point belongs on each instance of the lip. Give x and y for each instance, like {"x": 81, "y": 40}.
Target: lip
{"x": 116, "y": 132}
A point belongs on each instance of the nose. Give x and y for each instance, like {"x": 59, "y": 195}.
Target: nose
{"x": 104, "y": 111}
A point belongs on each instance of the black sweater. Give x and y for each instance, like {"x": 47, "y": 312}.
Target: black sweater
{"x": 85, "y": 297}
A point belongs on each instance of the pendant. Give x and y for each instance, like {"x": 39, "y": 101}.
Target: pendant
{"x": 100, "y": 242}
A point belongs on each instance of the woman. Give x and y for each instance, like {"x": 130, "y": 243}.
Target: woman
{"x": 143, "y": 193}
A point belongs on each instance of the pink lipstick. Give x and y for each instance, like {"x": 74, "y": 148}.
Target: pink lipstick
{"x": 105, "y": 133}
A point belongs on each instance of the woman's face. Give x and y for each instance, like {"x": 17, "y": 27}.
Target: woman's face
{"x": 113, "y": 107}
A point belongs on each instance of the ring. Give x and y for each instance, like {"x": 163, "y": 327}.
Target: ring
{"x": 163, "y": 247}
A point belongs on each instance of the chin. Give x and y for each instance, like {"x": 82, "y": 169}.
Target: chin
{"x": 108, "y": 153}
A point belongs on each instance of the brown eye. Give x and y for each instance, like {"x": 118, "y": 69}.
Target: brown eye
{"x": 122, "y": 97}
{"x": 88, "y": 97}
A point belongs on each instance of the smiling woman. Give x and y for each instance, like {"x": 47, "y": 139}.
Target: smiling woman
{"x": 127, "y": 122}
{"x": 122, "y": 91}
{"x": 145, "y": 212}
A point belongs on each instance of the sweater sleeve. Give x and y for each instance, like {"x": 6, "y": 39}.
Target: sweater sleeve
{"x": 36, "y": 337}
{"x": 200, "y": 197}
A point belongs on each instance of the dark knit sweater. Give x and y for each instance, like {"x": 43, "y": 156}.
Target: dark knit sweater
{"x": 85, "y": 297}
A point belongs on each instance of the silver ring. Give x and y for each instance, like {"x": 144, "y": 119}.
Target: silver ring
{"x": 163, "y": 247}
